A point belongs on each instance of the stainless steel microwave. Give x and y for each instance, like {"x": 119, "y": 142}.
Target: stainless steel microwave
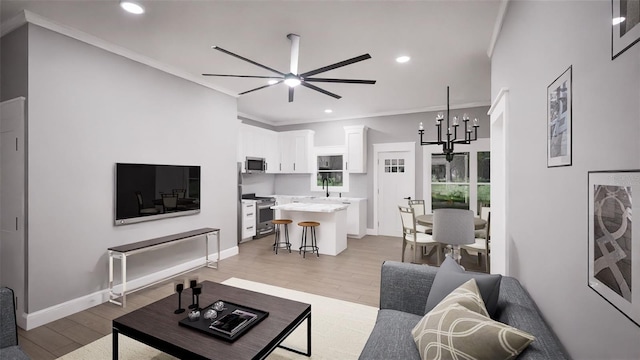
{"x": 255, "y": 165}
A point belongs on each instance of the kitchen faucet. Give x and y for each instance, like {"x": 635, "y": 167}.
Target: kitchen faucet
{"x": 327, "y": 181}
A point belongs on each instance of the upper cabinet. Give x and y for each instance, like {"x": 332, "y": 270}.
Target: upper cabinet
{"x": 257, "y": 142}
{"x": 356, "y": 148}
{"x": 295, "y": 152}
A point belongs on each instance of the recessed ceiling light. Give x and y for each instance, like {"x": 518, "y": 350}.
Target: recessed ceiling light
{"x": 403, "y": 59}
{"x": 132, "y": 7}
{"x": 328, "y": 111}
{"x": 618, "y": 20}
{"x": 272, "y": 82}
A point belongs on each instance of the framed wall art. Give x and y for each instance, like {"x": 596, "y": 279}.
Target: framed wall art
{"x": 614, "y": 244}
{"x": 559, "y": 120}
{"x": 625, "y": 25}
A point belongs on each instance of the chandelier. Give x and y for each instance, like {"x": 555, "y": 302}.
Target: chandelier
{"x": 470, "y": 132}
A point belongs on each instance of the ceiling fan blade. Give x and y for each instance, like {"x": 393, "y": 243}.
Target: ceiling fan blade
{"x": 295, "y": 50}
{"x": 311, "y": 86}
{"x": 242, "y": 76}
{"x": 258, "y": 88}
{"x": 344, "y": 81}
{"x": 337, "y": 65}
{"x": 245, "y": 59}
{"x": 290, "y": 94}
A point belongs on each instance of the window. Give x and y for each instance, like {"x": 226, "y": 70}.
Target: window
{"x": 330, "y": 169}
{"x": 450, "y": 181}
{"x": 484, "y": 179}
{"x": 463, "y": 183}
{"x": 394, "y": 165}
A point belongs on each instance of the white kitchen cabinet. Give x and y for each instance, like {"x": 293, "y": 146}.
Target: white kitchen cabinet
{"x": 356, "y": 144}
{"x": 248, "y": 218}
{"x": 261, "y": 143}
{"x": 295, "y": 151}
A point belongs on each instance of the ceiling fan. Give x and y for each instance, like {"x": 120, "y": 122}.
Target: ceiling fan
{"x": 293, "y": 79}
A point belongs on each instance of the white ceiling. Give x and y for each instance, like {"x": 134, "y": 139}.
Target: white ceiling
{"x": 447, "y": 41}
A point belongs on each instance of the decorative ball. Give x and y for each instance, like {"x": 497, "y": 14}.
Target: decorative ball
{"x": 210, "y": 314}
{"x": 218, "y": 305}
{"x": 194, "y": 315}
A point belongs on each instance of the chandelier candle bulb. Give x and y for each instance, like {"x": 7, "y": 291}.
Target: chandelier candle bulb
{"x": 475, "y": 122}
{"x": 455, "y": 121}
{"x": 421, "y": 127}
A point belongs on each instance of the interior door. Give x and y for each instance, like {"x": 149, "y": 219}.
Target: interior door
{"x": 396, "y": 183}
{"x": 12, "y": 239}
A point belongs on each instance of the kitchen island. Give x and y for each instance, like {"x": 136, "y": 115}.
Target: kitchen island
{"x": 331, "y": 234}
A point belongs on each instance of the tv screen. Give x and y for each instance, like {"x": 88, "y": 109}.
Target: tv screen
{"x": 148, "y": 192}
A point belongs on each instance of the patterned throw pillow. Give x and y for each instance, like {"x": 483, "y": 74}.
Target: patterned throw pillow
{"x": 455, "y": 332}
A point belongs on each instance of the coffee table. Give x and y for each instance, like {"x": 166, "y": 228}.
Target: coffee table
{"x": 157, "y": 326}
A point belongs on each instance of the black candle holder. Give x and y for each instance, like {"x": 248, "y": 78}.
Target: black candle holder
{"x": 179, "y": 288}
{"x": 193, "y": 283}
{"x": 196, "y": 292}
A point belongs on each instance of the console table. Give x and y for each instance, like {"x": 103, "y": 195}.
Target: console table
{"x": 122, "y": 252}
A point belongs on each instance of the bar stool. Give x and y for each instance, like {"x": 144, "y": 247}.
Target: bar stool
{"x": 277, "y": 243}
{"x": 306, "y": 225}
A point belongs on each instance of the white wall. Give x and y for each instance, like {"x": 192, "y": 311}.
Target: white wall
{"x": 89, "y": 109}
{"x": 548, "y": 206}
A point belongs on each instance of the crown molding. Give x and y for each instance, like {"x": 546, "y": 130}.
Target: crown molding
{"x": 29, "y": 17}
{"x": 497, "y": 27}
{"x": 371, "y": 115}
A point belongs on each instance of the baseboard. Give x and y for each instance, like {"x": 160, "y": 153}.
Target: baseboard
{"x": 372, "y": 231}
{"x": 29, "y": 321}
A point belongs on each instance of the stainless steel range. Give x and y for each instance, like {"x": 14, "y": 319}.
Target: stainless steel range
{"x": 264, "y": 214}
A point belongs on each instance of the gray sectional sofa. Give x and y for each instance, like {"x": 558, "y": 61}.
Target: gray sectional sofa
{"x": 404, "y": 289}
{"x": 9, "y": 348}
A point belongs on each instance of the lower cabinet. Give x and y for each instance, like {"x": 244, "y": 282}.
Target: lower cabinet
{"x": 356, "y": 218}
{"x": 248, "y": 218}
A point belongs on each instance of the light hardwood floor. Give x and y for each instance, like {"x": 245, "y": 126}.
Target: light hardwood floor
{"x": 354, "y": 276}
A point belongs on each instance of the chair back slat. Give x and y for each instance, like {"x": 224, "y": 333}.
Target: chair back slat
{"x": 408, "y": 220}
{"x": 418, "y": 206}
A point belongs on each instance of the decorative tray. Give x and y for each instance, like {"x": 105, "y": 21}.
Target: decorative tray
{"x": 231, "y": 322}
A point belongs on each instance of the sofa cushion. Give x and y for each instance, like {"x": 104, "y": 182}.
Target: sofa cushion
{"x": 467, "y": 295}
{"x": 13, "y": 353}
{"x": 451, "y": 275}
{"x": 391, "y": 337}
{"x": 455, "y": 332}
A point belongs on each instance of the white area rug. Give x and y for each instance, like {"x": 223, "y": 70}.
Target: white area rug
{"x": 339, "y": 330}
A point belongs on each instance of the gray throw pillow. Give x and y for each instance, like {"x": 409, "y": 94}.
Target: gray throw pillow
{"x": 450, "y": 276}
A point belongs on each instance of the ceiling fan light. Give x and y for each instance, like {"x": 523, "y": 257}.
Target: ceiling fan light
{"x": 272, "y": 82}
{"x": 132, "y": 7}
{"x": 292, "y": 82}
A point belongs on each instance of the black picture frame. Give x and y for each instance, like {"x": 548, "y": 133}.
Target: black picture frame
{"x": 624, "y": 34}
{"x": 560, "y": 120}
{"x": 613, "y": 271}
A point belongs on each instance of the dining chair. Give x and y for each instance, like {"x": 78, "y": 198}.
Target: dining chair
{"x": 482, "y": 246}
{"x": 453, "y": 227}
{"x": 418, "y": 208}
{"x": 410, "y": 236}
{"x": 180, "y": 193}
{"x": 141, "y": 209}
{"x": 484, "y": 215}
{"x": 169, "y": 202}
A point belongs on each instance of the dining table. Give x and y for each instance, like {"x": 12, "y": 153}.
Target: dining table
{"x": 427, "y": 220}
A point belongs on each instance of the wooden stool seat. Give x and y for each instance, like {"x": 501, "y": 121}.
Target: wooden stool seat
{"x": 277, "y": 242}
{"x": 281, "y": 221}
{"x": 306, "y": 225}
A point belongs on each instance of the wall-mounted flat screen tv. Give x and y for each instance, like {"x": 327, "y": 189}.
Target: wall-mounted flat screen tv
{"x": 145, "y": 192}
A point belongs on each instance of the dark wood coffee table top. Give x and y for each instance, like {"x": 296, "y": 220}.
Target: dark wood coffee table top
{"x": 156, "y": 324}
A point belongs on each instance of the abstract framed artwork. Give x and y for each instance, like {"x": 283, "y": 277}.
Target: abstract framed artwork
{"x": 614, "y": 245}
{"x": 559, "y": 120}
{"x": 625, "y": 25}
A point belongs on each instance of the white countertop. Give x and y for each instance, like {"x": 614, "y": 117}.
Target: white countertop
{"x": 310, "y": 207}
{"x": 316, "y": 198}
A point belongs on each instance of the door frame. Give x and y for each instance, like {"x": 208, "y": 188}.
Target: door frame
{"x": 499, "y": 115}
{"x": 409, "y": 147}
